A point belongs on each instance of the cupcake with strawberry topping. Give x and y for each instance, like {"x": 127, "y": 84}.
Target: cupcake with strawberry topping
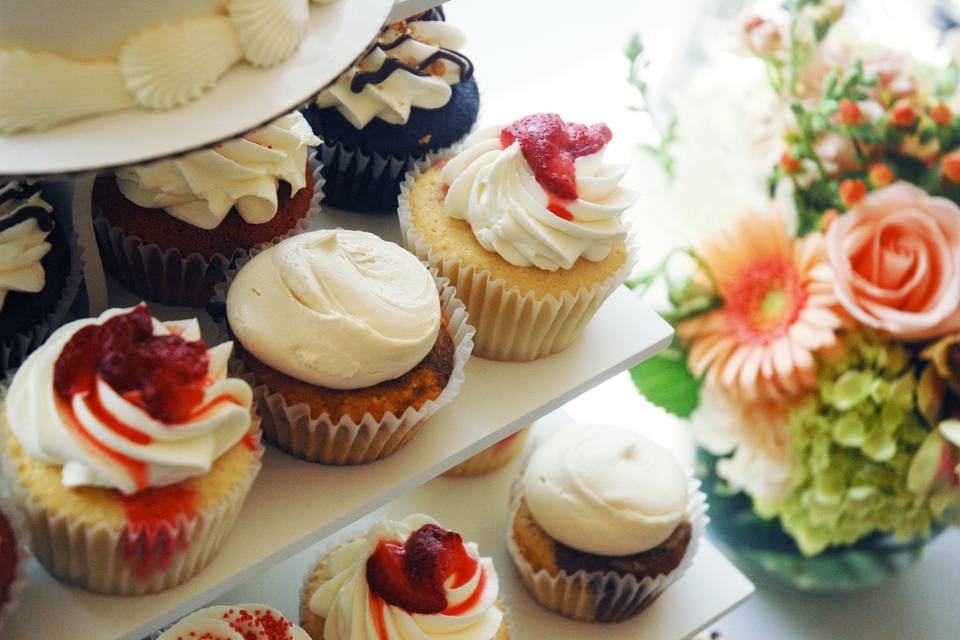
{"x": 527, "y": 221}
{"x": 129, "y": 450}
{"x": 410, "y": 578}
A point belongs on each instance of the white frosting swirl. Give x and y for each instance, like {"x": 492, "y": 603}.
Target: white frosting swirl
{"x": 200, "y": 188}
{"x": 50, "y": 431}
{"x": 22, "y": 246}
{"x": 340, "y": 309}
{"x": 234, "y": 622}
{"x": 392, "y": 99}
{"x": 345, "y": 599}
{"x": 494, "y": 189}
{"x": 605, "y": 490}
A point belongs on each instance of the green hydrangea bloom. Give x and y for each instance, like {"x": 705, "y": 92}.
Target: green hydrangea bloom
{"x": 853, "y": 445}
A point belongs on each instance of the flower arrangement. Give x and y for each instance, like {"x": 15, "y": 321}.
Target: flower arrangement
{"x": 817, "y": 349}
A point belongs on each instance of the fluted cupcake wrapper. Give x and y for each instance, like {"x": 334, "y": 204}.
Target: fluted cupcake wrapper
{"x": 22, "y": 536}
{"x": 169, "y": 277}
{"x": 510, "y": 325}
{"x": 106, "y": 560}
{"x": 317, "y": 438}
{"x": 356, "y": 532}
{"x": 15, "y": 349}
{"x": 596, "y": 596}
{"x": 492, "y": 458}
{"x": 362, "y": 181}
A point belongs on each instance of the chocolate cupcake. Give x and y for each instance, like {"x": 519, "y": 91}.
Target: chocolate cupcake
{"x": 39, "y": 270}
{"x": 169, "y": 230}
{"x": 349, "y": 342}
{"x": 411, "y": 93}
{"x": 603, "y": 520}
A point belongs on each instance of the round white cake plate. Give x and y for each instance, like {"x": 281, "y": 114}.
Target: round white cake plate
{"x": 243, "y": 99}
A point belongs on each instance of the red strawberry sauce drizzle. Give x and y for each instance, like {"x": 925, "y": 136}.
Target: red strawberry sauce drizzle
{"x": 156, "y": 519}
{"x": 550, "y": 146}
{"x": 411, "y": 575}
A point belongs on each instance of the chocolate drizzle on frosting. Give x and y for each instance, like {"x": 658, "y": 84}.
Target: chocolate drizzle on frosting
{"x": 23, "y": 213}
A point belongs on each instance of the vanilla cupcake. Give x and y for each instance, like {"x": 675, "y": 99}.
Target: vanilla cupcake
{"x": 491, "y": 459}
{"x": 234, "y": 622}
{"x": 170, "y": 229}
{"x": 526, "y": 221}
{"x": 603, "y": 520}
{"x": 129, "y": 451}
{"x": 350, "y": 343}
{"x": 404, "y": 579}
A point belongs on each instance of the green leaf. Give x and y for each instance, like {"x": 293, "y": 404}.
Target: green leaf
{"x": 666, "y": 382}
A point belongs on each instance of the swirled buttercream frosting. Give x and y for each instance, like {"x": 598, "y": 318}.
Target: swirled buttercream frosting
{"x": 605, "y": 490}
{"x": 538, "y": 192}
{"x": 413, "y": 63}
{"x": 235, "y": 622}
{"x": 25, "y": 223}
{"x": 405, "y": 580}
{"x": 201, "y": 187}
{"x": 335, "y": 308}
{"x": 128, "y": 402}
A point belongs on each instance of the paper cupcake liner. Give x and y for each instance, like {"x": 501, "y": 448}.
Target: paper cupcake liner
{"x": 108, "y": 561}
{"x": 492, "y": 458}
{"x": 596, "y": 596}
{"x": 10, "y": 512}
{"x": 349, "y": 535}
{"x": 294, "y": 429}
{"x": 15, "y": 349}
{"x": 510, "y": 325}
{"x": 169, "y": 277}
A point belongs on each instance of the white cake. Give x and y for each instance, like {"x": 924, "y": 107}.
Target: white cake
{"x": 66, "y": 60}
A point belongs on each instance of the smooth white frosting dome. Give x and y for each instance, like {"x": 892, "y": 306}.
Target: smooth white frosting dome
{"x": 22, "y": 245}
{"x": 172, "y": 452}
{"x": 336, "y": 308}
{"x": 201, "y": 187}
{"x": 345, "y": 599}
{"x": 235, "y": 622}
{"x": 495, "y": 191}
{"x": 605, "y": 490}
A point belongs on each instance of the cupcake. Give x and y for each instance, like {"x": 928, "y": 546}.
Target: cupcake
{"x": 602, "y": 521}
{"x": 411, "y": 93}
{"x": 170, "y": 229}
{"x": 13, "y": 558}
{"x": 234, "y": 622}
{"x": 492, "y": 458}
{"x": 39, "y": 271}
{"x": 129, "y": 451}
{"x": 525, "y": 221}
{"x": 403, "y": 579}
{"x": 350, "y": 343}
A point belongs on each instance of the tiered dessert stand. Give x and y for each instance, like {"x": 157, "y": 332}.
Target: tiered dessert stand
{"x": 294, "y": 504}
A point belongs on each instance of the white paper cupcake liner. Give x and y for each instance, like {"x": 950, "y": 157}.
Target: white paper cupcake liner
{"x": 294, "y": 429}
{"x": 597, "y": 596}
{"x": 510, "y": 325}
{"x": 104, "y": 560}
{"x": 12, "y": 514}
{"x": 490, "y": 459}
{"x": 349, "y": 535}
{"x": 169, "y": 277}
{"x": 14, "y": 350}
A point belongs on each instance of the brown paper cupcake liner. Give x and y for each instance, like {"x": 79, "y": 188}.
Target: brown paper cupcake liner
{"x": 294, "y": 429}
{"x": 169, "y": 277}
{"x": 510, "y": 325}
{"x": 22, "y": 536}
{"x": 15, "y": 349}
{"x": 596, "y": 596}
{"x": 492, "y": 458}
{"x": 110, "y": 561}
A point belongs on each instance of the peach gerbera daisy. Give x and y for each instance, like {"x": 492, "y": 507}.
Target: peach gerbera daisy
{"x": 778, "y": 308}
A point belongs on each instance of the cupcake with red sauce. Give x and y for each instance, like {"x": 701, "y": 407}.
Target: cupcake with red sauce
{"x": 234, "y": 622}
{"x": 13, "y": 557}
{"x": 527, "y": 221}
{"x": 410, "y": 578}
{"x": 169, "y": 230}
{"x": 491, "y": 459}
{"x": 129, "y": 451}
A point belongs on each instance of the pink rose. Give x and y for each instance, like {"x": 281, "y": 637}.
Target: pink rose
{"x": 896, "y": 262}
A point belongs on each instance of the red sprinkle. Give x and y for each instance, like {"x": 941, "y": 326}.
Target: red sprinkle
{"x": 551, "y": 146}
